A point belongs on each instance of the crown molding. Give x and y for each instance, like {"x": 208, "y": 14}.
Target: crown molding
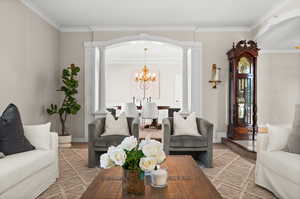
{"x": 125, "y": 28}
{"x": 270, "y": 14}
{"x": 287, "y": 51}
{"x": 31, "y": 6}
{"x": 76, "y": 29}
{"x": 154, "y": 28}
{"x": 224, "y": 29}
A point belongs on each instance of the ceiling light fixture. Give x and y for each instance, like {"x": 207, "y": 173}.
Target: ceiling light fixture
{"x": 145, "y": 77}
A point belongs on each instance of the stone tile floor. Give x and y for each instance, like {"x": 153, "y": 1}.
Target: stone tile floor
{"x": 232, "y": 175}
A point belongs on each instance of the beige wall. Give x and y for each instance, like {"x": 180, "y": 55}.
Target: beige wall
{"x": 29, "y": 69}
{"x": 72, "y": 51}
{"x": 278, "y": 87}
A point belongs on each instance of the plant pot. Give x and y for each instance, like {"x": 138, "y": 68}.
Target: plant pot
{"x": 133, "y": 182}
{"x": 65, "y": 141}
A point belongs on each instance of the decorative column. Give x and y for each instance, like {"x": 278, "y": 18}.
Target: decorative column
{"x": 185, "y": 93}
{"x": 89, "y": 85}
{"x": 102, "y": 81}
{"x": 196, "y": 72}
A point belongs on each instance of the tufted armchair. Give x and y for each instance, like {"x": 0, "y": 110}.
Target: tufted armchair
{"x": 98, "y": 144}
{"x": 201, "y": 145}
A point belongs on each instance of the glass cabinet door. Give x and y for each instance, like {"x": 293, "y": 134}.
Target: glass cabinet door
{"x": 244, "y": 92}
{"x": 245, "y": 100}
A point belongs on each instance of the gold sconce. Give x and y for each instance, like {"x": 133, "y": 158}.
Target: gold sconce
{"x": 215, "y": 76}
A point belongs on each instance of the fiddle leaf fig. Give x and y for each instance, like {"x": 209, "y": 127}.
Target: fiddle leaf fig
{"x": 69, "y": 105}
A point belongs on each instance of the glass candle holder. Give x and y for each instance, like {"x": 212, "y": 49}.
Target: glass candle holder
{"x": 159, "y": 178}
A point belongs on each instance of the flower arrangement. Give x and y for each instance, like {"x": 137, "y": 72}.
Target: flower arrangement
{"x": 143, "y": 157}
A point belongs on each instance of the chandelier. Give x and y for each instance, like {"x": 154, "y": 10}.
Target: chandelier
{"x": 145, "y": 77}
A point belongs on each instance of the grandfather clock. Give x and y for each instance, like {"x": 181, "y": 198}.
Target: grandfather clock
{"x": 242, "y": 91}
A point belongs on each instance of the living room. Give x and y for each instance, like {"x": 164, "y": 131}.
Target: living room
{"x": 74, "y": 70}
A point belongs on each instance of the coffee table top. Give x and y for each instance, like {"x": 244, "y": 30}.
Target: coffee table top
{"x": 186, "y": 181}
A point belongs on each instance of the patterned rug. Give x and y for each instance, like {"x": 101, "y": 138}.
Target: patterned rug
{"x": 232, "y": 175}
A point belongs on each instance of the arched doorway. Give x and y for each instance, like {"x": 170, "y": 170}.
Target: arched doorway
{"x": 95, "y": 75}
{"x": 124, "y": 61}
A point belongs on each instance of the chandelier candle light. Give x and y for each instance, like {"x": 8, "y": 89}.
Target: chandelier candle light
{"x": 144, "y": 77}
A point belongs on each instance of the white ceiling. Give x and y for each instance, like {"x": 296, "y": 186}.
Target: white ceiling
{"x": 195, "y": 13}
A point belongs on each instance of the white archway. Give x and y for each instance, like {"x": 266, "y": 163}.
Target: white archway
{"x": 275, "y": 21}
{"x": 95, "y": 74}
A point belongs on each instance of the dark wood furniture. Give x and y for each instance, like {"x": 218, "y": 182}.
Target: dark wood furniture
{"x": 140, "y": 107}
{"x": 186, "y": 181}
{"x": 172, "y": 110}
{"x": 154, "y": 123}
{"x": 242, "y": 90}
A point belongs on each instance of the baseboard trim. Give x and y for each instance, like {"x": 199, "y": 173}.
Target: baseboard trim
{"x": 218, "y": 137}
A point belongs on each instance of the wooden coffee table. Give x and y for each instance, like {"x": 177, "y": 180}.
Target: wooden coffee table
{"x": 186, "y": 181}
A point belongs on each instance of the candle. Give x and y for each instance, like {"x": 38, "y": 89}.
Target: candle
{"x": 159, "y": 178}
{"x": 217, "y": 75}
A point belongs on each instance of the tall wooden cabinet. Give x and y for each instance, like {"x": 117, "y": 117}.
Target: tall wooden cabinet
{"x": 242, "y": 90}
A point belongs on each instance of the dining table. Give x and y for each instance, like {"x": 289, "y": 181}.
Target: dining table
{"x": 154, "y": 123}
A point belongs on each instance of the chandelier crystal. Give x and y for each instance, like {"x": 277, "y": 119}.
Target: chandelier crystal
{"x": 145, "y": 77}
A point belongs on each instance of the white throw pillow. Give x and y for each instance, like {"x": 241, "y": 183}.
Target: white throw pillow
{"x": 38, "y": 135}
{"x": 186, "y": 126}
{"x": 278, "y": 137}
{"x": 116, "y": 127}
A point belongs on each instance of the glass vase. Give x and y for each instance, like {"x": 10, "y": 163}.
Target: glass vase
{"x": 133, "y": 182}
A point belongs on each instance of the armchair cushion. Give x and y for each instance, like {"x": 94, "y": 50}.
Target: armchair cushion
{"x": 116, "y": 127}
{"x": 106, "y": 141}
{"x": 186, "y": 126}
{"x": 188, "y": 141}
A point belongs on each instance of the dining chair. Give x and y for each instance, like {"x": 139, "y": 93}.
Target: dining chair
{"x": 130, "y": 110}
{"x": 149, "y": 111}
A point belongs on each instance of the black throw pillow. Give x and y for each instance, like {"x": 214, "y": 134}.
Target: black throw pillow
{"x": 12, "y": 139}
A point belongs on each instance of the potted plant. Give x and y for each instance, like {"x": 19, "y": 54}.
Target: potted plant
{"x": 135, "y": 159}
{"x": 69, "y": 105}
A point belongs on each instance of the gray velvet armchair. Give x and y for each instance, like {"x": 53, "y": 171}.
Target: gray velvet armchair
{"x": 201, "y": 145}
{"x": 98, "y": 144}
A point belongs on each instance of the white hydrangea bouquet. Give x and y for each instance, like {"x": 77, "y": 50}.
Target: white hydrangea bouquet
{"x": 130, "y": 155}
{"x": 135, "y": 159}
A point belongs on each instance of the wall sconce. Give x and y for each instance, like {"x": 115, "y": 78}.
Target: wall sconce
{"x": 215, "y": 76}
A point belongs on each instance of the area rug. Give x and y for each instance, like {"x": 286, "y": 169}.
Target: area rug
{"x": 232, "y": 175}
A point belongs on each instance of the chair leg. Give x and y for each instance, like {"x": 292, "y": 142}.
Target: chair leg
{"x": 91, "y": 158}
{"x": 206, "y": 158}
